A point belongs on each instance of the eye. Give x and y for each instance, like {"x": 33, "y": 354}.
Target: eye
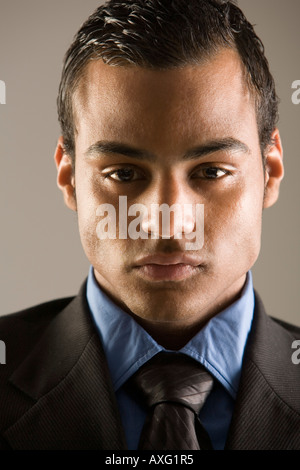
{"x": 124, "y": 175}
{"x": 211, "y": 173}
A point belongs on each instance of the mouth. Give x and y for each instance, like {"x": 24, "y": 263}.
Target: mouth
{"x": 172, "y": 267}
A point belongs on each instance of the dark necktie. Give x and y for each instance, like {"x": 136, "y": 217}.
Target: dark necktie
{"x": 174, "y": 387}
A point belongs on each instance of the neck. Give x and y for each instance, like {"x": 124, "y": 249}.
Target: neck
{"x": 170, "y": 335}
{"x": 174, "y": 335}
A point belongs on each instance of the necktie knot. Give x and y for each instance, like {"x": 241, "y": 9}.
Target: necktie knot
{"x": 171, "y": 377}
{"x": 174, "y": 388}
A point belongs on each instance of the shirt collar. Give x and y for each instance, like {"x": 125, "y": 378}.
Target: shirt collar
{"x": 219, "y": 346}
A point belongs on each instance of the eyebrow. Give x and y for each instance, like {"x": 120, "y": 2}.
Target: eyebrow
{"x": 118, "y": 148}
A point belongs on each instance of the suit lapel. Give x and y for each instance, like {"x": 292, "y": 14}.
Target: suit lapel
{"x": 66, "y": 377}
{"x": 267, "y": 411}
{"x": 72, "y": 403}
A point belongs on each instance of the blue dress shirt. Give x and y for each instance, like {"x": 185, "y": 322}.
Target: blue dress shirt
{"x": 219, "y": 346}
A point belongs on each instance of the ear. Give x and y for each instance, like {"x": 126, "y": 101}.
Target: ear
{"x": 65, "y": 175}
{"x": 274, "y": 170}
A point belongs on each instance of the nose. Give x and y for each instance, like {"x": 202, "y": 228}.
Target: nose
{"x": 170, "y": 211}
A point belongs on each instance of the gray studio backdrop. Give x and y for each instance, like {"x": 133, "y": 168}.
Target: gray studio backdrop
{"x": 41, "y": 254}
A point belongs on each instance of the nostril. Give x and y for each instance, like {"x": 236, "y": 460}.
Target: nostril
{"x": 169, "y": 221}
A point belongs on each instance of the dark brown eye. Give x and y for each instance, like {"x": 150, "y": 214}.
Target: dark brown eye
{"x": 124, "y": 175}
{"x": 210, "y": 173}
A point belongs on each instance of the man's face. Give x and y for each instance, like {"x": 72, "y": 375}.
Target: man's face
{"x": 204, "y": 112}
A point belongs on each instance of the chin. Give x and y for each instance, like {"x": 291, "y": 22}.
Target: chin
{"x": 168, "y": 310}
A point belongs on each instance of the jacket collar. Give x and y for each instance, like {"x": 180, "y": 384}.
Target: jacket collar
{"x": 67, "y": 378}
{"x": 73, "y": 404}
{"x": 267, "y": 411}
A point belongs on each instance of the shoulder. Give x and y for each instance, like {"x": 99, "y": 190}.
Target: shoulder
{"x": 272, "y": 325}
{"x": 19, "y": 331}
{"x": 36, "y": 315}
{"x": 271, "y": 343}
{"x": 270, "y": 348}
{"x": 294, "y": 330}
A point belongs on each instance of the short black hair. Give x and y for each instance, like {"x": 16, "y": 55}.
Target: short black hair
{"x": 162, "y": 34}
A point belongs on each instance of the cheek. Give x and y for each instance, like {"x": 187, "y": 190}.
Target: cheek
{"x": 233, "y": 223}
{"x": 87, "y": 203}
{"x": 100, "y": 252}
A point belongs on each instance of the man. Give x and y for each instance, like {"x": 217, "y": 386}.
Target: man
{"x": 160, "y": 103}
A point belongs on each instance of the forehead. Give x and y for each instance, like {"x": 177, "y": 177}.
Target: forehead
{"x": 134, "y": 102}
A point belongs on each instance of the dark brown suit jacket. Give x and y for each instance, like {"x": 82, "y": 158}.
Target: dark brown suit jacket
{"x": 56, "y": 392}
